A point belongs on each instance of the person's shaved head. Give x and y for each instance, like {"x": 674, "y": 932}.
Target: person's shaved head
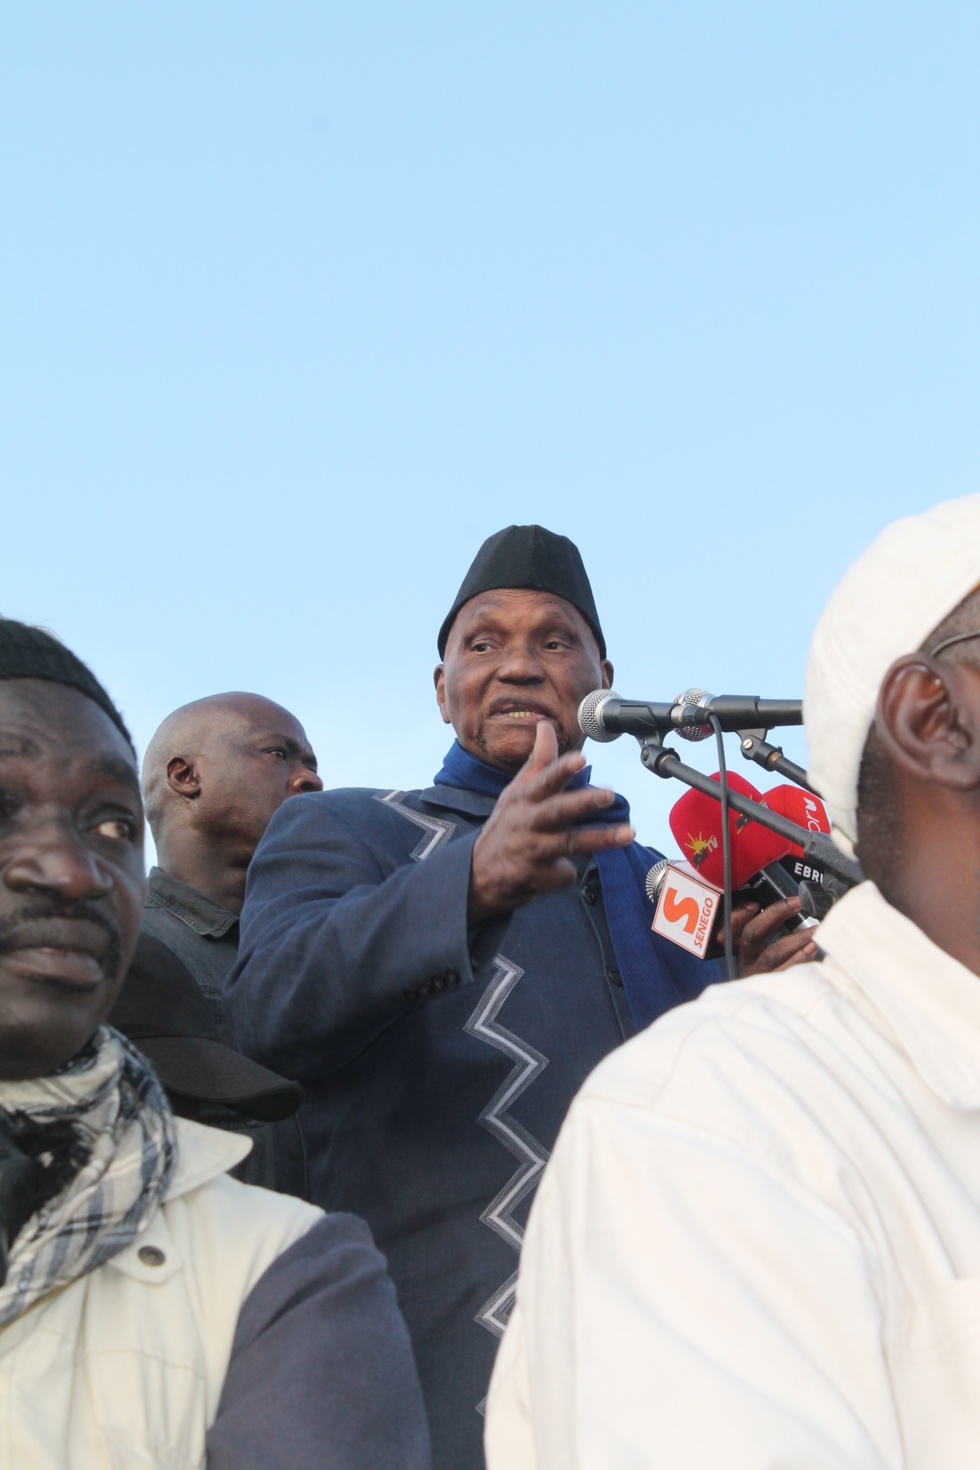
{"x": 213, "y": 775}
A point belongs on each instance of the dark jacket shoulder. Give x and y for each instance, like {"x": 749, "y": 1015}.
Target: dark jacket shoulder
{"x": 383, "y": 820}
{"x": 321, "y": 1371}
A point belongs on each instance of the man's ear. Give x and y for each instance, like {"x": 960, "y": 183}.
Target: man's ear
{"x": 608, "y": 674}
{"x": 439, "y": 679}
{"x": 927, "y": 720}
{"x": 183, "y": 778}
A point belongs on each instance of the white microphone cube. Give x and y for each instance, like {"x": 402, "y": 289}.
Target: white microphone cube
{"x": 687, "y": 909}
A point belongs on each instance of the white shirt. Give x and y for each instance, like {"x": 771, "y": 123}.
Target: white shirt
{"x": 757, "y": 1245}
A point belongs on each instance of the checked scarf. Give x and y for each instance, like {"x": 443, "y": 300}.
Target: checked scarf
{"x": 127, "y": 1140}
{"x": 654, "y": 979}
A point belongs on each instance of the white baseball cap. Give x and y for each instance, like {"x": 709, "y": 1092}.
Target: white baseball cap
{"x": 909, "y": 579}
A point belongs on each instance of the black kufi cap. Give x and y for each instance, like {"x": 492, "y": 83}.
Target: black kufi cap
{"x": 528, "y": 557}
{"x": 31, "y": 653}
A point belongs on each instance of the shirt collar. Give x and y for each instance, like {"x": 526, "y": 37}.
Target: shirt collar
{"x": 930, "y": 1000}
{"x": 199, "y": 913}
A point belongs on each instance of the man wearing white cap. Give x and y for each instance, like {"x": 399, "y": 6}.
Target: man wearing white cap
{"x": 758, "y": 1241}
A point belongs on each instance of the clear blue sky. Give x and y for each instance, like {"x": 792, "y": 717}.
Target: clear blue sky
{"x": 298, "y": 302}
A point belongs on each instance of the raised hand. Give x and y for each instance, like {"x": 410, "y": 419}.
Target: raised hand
{"x": 526, "y": 846}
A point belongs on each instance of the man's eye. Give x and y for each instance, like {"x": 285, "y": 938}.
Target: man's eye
{"x": 117, "y": 829}
{"x": 278, "y": 751}
{"x": 481, "y": 645}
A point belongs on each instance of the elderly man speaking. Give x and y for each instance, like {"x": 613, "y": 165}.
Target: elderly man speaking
{"x": 758, "y": 1242}
{"x": 441, "y": 969}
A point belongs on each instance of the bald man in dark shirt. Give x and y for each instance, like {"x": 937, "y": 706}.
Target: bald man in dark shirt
{"x": 213, "y": 775}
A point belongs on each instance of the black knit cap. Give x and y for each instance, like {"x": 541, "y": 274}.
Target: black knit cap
{"x": 528, "y": 557}
{"x": 30, "y": 653}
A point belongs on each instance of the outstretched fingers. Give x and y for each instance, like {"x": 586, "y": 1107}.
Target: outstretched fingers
{"x": 572, "y": 840}
{"x": 541, "y": 782}
{"x": 535, "y": 830}
{"x": 565, "y": 808}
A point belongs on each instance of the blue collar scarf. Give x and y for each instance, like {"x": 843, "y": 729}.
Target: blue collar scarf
{"x": 656, "y": 975}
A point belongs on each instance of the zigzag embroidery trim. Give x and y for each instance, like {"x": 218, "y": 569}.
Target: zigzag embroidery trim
{"x": 436, "y": 830}
{"x": 496, "y": 1312}
{"x": 532, "y": 1157}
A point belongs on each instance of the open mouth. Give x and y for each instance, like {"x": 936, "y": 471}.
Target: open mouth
{"x": 518, "y": 710}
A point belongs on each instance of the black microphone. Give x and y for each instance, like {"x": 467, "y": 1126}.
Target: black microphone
{"x": 603, "y": 715}
{"x": 747, "y": 711}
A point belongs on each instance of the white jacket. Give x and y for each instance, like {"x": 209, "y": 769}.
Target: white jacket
{"x": 123, "y": 1369}
{"x": 757, "y": 1245}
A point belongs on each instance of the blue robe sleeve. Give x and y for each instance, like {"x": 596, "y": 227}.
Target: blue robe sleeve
{"x": 321, "y": 1375}
{"x": 338, "y": 941}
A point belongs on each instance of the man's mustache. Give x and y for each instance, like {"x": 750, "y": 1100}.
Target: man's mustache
{"x": 40, "y": 910}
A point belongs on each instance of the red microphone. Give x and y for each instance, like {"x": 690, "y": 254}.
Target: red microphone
{"x": 806, "y": 810}
{"x": 695, "y": 821}
{"x": 687, "y": 895}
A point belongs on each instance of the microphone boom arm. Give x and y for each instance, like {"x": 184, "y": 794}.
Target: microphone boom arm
{"x": 817, "y": 847}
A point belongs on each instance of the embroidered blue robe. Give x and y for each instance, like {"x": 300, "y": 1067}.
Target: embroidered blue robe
{"x": 438, "y": 1062}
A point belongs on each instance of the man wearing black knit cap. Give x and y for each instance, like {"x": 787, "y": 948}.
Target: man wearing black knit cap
{"x": 442, "y": 968}
{"x": 152, "y": 1310}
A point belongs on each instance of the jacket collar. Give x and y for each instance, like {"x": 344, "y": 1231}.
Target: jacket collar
{"x": 153, "y": 1257}
{"x": 202, "y": 1154}
{"x": 197, "y": 911}
{"x": 459, "y": 799}
{"x": 930, "y": 1000}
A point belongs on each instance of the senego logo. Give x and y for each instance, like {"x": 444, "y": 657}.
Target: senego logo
{"x": 686, "y": 909}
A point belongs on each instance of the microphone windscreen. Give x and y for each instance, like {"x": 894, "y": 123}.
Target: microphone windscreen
{"x": 698, "y": 697}
{"x": 589, "y": 716}
{"x": 801, "y": 807}
{"x": 695, "y": 821}
{"x": 655, "y": 878}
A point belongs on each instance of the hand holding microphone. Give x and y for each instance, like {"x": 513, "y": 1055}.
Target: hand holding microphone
{"x": 759, "y": 952}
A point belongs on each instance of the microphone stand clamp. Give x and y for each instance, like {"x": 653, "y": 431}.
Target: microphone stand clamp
{"x": 755, "y": 747}
{"x": 654, "y": 756}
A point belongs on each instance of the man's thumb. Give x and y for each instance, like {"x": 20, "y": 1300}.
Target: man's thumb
{"x": 545, "y": 748}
